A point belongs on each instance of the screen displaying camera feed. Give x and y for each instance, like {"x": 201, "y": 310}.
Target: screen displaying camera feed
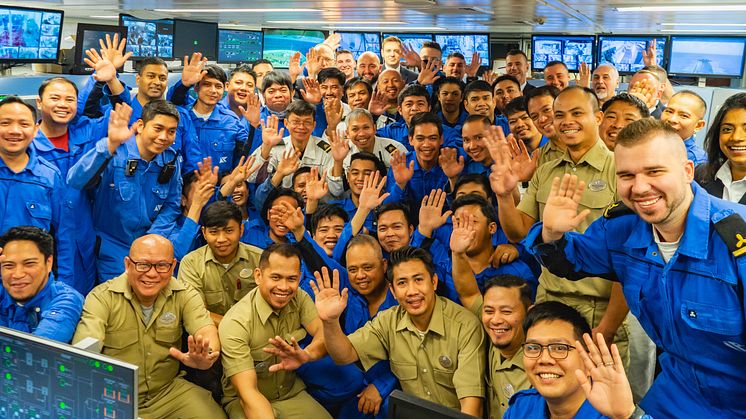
{"x": 467, "y": 45}
{"x": 359, "y": 42}
{"x": 236, "y": 46}
{"x": 625, "y": 53}
{"x": 30, "y": 35}
{"x": 571, "y": 50}
{"x": 707, "y": 56}
{"x": 281, "y": 44}
{"x": 412, "y": 40}
{"x": 149, "y": 38}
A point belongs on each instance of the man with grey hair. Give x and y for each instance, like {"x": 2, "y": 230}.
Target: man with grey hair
{"x": 604, "y": 81}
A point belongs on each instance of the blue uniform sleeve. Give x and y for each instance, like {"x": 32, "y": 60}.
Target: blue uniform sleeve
{"x": 60, "y": 319}
{"x": 316, "y": 258}
{"x": 178, "y": 94}
{"x": 64, "y": 234}
{"x": 89, "y": 98}
{"x": 183, "y": 238}
{"x": 341, "y": 246}
{"x": 124, "y": 97}
{"x": 171, "y": 209}
{"x": 380, "y": 375}
{"x": 262, "y": 192}
{"x": 83, "y": 173}
{"x": 396, "y": 194}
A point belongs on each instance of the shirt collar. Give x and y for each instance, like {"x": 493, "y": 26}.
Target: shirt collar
{"x": 596, "y": 156}
{"x": 437, "y": 323}
{"x": 514, "y": 361}
{"x": 263, "y": 309}
{"x": 122, "y": 286}
{"x": 35, "y": 301}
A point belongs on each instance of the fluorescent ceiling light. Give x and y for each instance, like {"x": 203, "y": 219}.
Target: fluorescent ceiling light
{"x": 234, "y": 10}
{"x": 105, "y": 17}
{"x": 703, "y": 8}
{"x": 703, "y": 24}
{"x": 345, "y": 22}
{"x": 705, "y": 30}
{"x": 384, "y": 29}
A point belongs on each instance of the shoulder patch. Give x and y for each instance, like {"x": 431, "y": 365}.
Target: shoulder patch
{"x": 390, "y": 148}
{"x": 324, "y": 146}
{"x": 617, "y": 209}
{"x": 732, "y": 229}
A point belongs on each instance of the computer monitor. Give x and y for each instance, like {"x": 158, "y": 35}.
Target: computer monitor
{"x": 191, "y": 36}
{"x": 149, "y": 38}
{"x": 571, "y": 50}
{"x": 706, "y": 56}
{"x": 360, "y": 42}
{"x": 237, "y": 46}
{"x": 88, "y": 35}
{"x": 30, "y": 35}
{"x": 281, "y": 44}
{"x": 466, "y": 44}
{"x": 625, "y": 52}
{"x": 407, "y": 406}
{"x": 43, "y": 378}
{"x": 413, "y": 40}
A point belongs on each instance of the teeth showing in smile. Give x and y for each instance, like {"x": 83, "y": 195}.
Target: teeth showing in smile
{"x": 547, "y": 375}
{"x": 648, "y": 203}
{"x": 737, "y": 148}
{"x": 570, "y": 131}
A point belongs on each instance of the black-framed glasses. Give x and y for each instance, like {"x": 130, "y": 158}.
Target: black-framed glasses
{"x": 160, "y": 267}
{"x": 556, "y": 350}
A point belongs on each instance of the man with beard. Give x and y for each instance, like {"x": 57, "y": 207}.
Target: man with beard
{"x": 556, "y": 74}
{"x": 605, "y": 81}
{"x": 384, "y": 103}
{"x": 516, "y": 65}
{"x": 369, "y": 66}
{"x": 620, "y": 111}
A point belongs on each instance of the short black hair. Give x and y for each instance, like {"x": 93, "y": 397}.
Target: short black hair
{"x": 406, "y": 254}
{"x": 243, "y": 68}
{"x": 300, "y": 107}
{"x": 273, "y": 195}
{"x": 219, "y": 213}
{"x": 43, "y": 86}
{"x": 503, "y": 78}
{"x": 433, "y": 45}
{"x": 423, "y": 118}
{"x": 412, "y": 90}
{"x": 15, "y": 99}
{"x": 629, "y": 99}
{"x": 477, "y": 118}
{"x": 394, "y": 206}
{"x": 477, "y": 86}
{"x": 358, "y": 80}
{"x": 150, "y": 61}
{"x": 448, "y": 80}
{"x": 364, "y": 155}
{"x": 487, "y": 209}
{"x": 159, "y": 107}
{"x": 301, "y": 170}
{"x": 283, "y": 249}
{"x": 516, "y": 52}
{"x": 547, "y": 90}
{"x": 41, "y": 238}
{"x": 477, "y": 178}
{"x": 213, "y": 71}
{"x": 332, "y": 73}
{"x": 511, "y": 281}
{"x": 516, "y": 105}
{"x": 696, "y": 96}
{"x": 553, "y": 311}
{"x": 262, "y": 61}
{"x": 325, "y": 211}
{"x": 589, "y": 93}
{"x": 276, "y": 77}
{"x": 554, "y": 63}
{"x": 456, "y": 54}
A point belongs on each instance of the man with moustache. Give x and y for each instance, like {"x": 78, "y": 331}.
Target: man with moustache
{"x": 556, "y": 74}
{"x": 604, "y": 82}
{"x": 369, "y": 66}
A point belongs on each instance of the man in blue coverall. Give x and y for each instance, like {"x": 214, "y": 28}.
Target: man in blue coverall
{"x": 133, "y": 176}
{"x": 31, "y": 189}
{"x": 31, "y": 300}
{"x": 685, "y": 113}
{"x": 677, "y": 252}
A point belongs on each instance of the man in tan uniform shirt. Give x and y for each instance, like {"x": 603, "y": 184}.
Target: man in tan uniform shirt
{"x": 576, "y": 120}
{"x": 260, "y": 382}
{"x": 435, "y": 347}
{"x": 139, "y": 317}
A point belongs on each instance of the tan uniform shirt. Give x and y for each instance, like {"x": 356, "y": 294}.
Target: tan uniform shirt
{"x": 596, "y": 168}
{"x": 219, "y": 286}
{"x": 113, "y": 315}
{"x": 444, "y": 366}
{"x": 549, "y": 152}
{"x": 244, "y": 333}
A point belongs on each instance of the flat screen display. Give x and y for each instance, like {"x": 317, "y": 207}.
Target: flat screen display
{"x": 707, "y": 56}
{"x": 281, "y": 44}
{"x": 625, "y": 52}
{"x": 236, "y": 46}
{"x": 413, "y": 40}
{"x": 88, "y": 36}
{"x": 30, "y": 35}
{"x": 360, "y": 42}
{"x": 191, "y": 36}
{"x": 466, "y": 44}
{"x": 149, "y": 38}
{"x": 571, "y": 50}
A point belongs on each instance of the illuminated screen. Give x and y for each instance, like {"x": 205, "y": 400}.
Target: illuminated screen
{"x": 29, "y": 35}
{"x": 149, "y": 38}
{"x": 359, "y": 42}
{"x": 281, "y": 44}
{"x": 625, "y": 52}
{"x": 571, "y": 50}
{"x": 236, "y": 46}
{"x": 466, "y": 44}
{"x": 704, "y": 56}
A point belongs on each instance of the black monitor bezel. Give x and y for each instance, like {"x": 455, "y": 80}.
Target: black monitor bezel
{"x": 566, "y": 36}
{"x": 59, "y": 37}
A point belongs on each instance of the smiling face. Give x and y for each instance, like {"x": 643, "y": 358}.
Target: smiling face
{"x": 449, "y": 97}
{"x": 278, "y": 281}
{"x": 732, "y": 137}
{"x": 517, "y": 66}
{"x": 522, "y": 127}
{"x": 502, "y": 317}
{"x": 155, "y": 136}
{"x": 223, "y": 241}
{"x": 357, "y": 172}
{"x": 426, "y": 142}
{"x": 25, "y": 270}
{"x": 366, "y": 269}
{"x": 414, "y": 289}
{"x": 541, "y": 111}
{"x": 327, "y": 233}
{"x": 684, "y": 113}
{"x": 346, "y": 64}
{"x": 474, "y": 133}
{"x": 604, "y": 82}
{"x": 557, "y": 75}
{"x": 17, "y": 129}
{"x": 394, "y": 231}
{"x": 330, "y": 89}
{"x": 358, "y": 96}
{"x": 362, "y": 132}
{"x": 390, "y": 84}
{"x": 617, "y": 116}
{"x": 151, "y": 81}
{"x": 239, "y": 87}
{"x": 575, "y": 120}
{"x": 58, "y": 103}
{"x": 149, "y": 250}
{"x": 209, "y": 91}
{"x": 455, "y": 67}
{"x": 368, "y": 66}
{"x": 412, "y": 105}
{"x": 391, "y": 52}
{"x": 505, "y": 91}
{"x": 277, "y": 228}
{"x": 480, "y": 103}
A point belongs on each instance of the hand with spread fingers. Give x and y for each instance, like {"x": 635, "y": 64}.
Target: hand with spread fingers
{"x": 402, "y": 172}
{"x": 561, "y": 210}
{"x": 199, "y": 354}
{"x": 290, "y": 353}
{"x": 330, "y": 302}
{"x": 194, "y": 69}
{"x": 432, "y": 216}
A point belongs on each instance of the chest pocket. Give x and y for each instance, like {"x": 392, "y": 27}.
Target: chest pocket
{"x": 220, "y": 140}
{"x": 127, "y": 190}
{"x": 121, "y": 341}
{"x": 213, "y": 298}
{"x": 160, "y": 192}
{"x": 713, "y": 318}
{"x": 443, "y": 377}
{"x": 41, "y": 213}
{"x": 168, "y": 335}
{"x": 404, "y": 371}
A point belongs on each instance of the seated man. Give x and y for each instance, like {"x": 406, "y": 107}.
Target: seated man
{"x": 31, "y": 300}
{"x": 435, "y": 347}
{"x": 258, "y": 381}
{"x": 139, "y": 317}
{"x": 620, "y": 111}
{"x": 560, "y": 370}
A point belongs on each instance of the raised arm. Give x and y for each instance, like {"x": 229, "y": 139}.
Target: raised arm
{"x": 330, "y": 304}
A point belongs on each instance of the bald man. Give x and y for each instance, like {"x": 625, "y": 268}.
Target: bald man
{"x": 369, "y": 66}
{"x": 646, "y": 85}
{"x": 139, "y": 317}
{"x": 686, "y": 114}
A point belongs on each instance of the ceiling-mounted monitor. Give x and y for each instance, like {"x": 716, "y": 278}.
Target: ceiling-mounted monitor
{"x": 239, "y": 46}
{"x": 280, "y": 44}
{"x": 413, "y": 40}
{"x": 466, "y": 44}
{"x": 149, "y": 38}
{"x": 360, "y": 42}
{"x": 570, "y": 49}
{"x": 625, "y": 52}
{"x": 705, "y": 56}
{"x": 191, "y": 36}
{"x": 30, "y": 35}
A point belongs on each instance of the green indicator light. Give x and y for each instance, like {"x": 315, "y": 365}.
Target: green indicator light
{"x": 7, "y": 349}
{"x": 63, "y": 405}
{"x": 109, "y": 368}
{"x": 97, "y": 364}
{"x": 62, "y": 368}
{"x": 8, "y": 376}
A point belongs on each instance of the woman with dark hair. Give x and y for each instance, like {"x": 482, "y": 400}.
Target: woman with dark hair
{"x": 723, "y": 174}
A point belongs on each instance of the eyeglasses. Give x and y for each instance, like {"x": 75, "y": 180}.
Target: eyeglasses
{"x": 160, "y": 267}
{"x": 556, "y": 350}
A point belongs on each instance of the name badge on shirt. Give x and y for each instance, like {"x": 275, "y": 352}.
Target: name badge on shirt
{"x": 508, "y": 390}
{"x": 445, "y": 361}
{"x": 597, "y": 185}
